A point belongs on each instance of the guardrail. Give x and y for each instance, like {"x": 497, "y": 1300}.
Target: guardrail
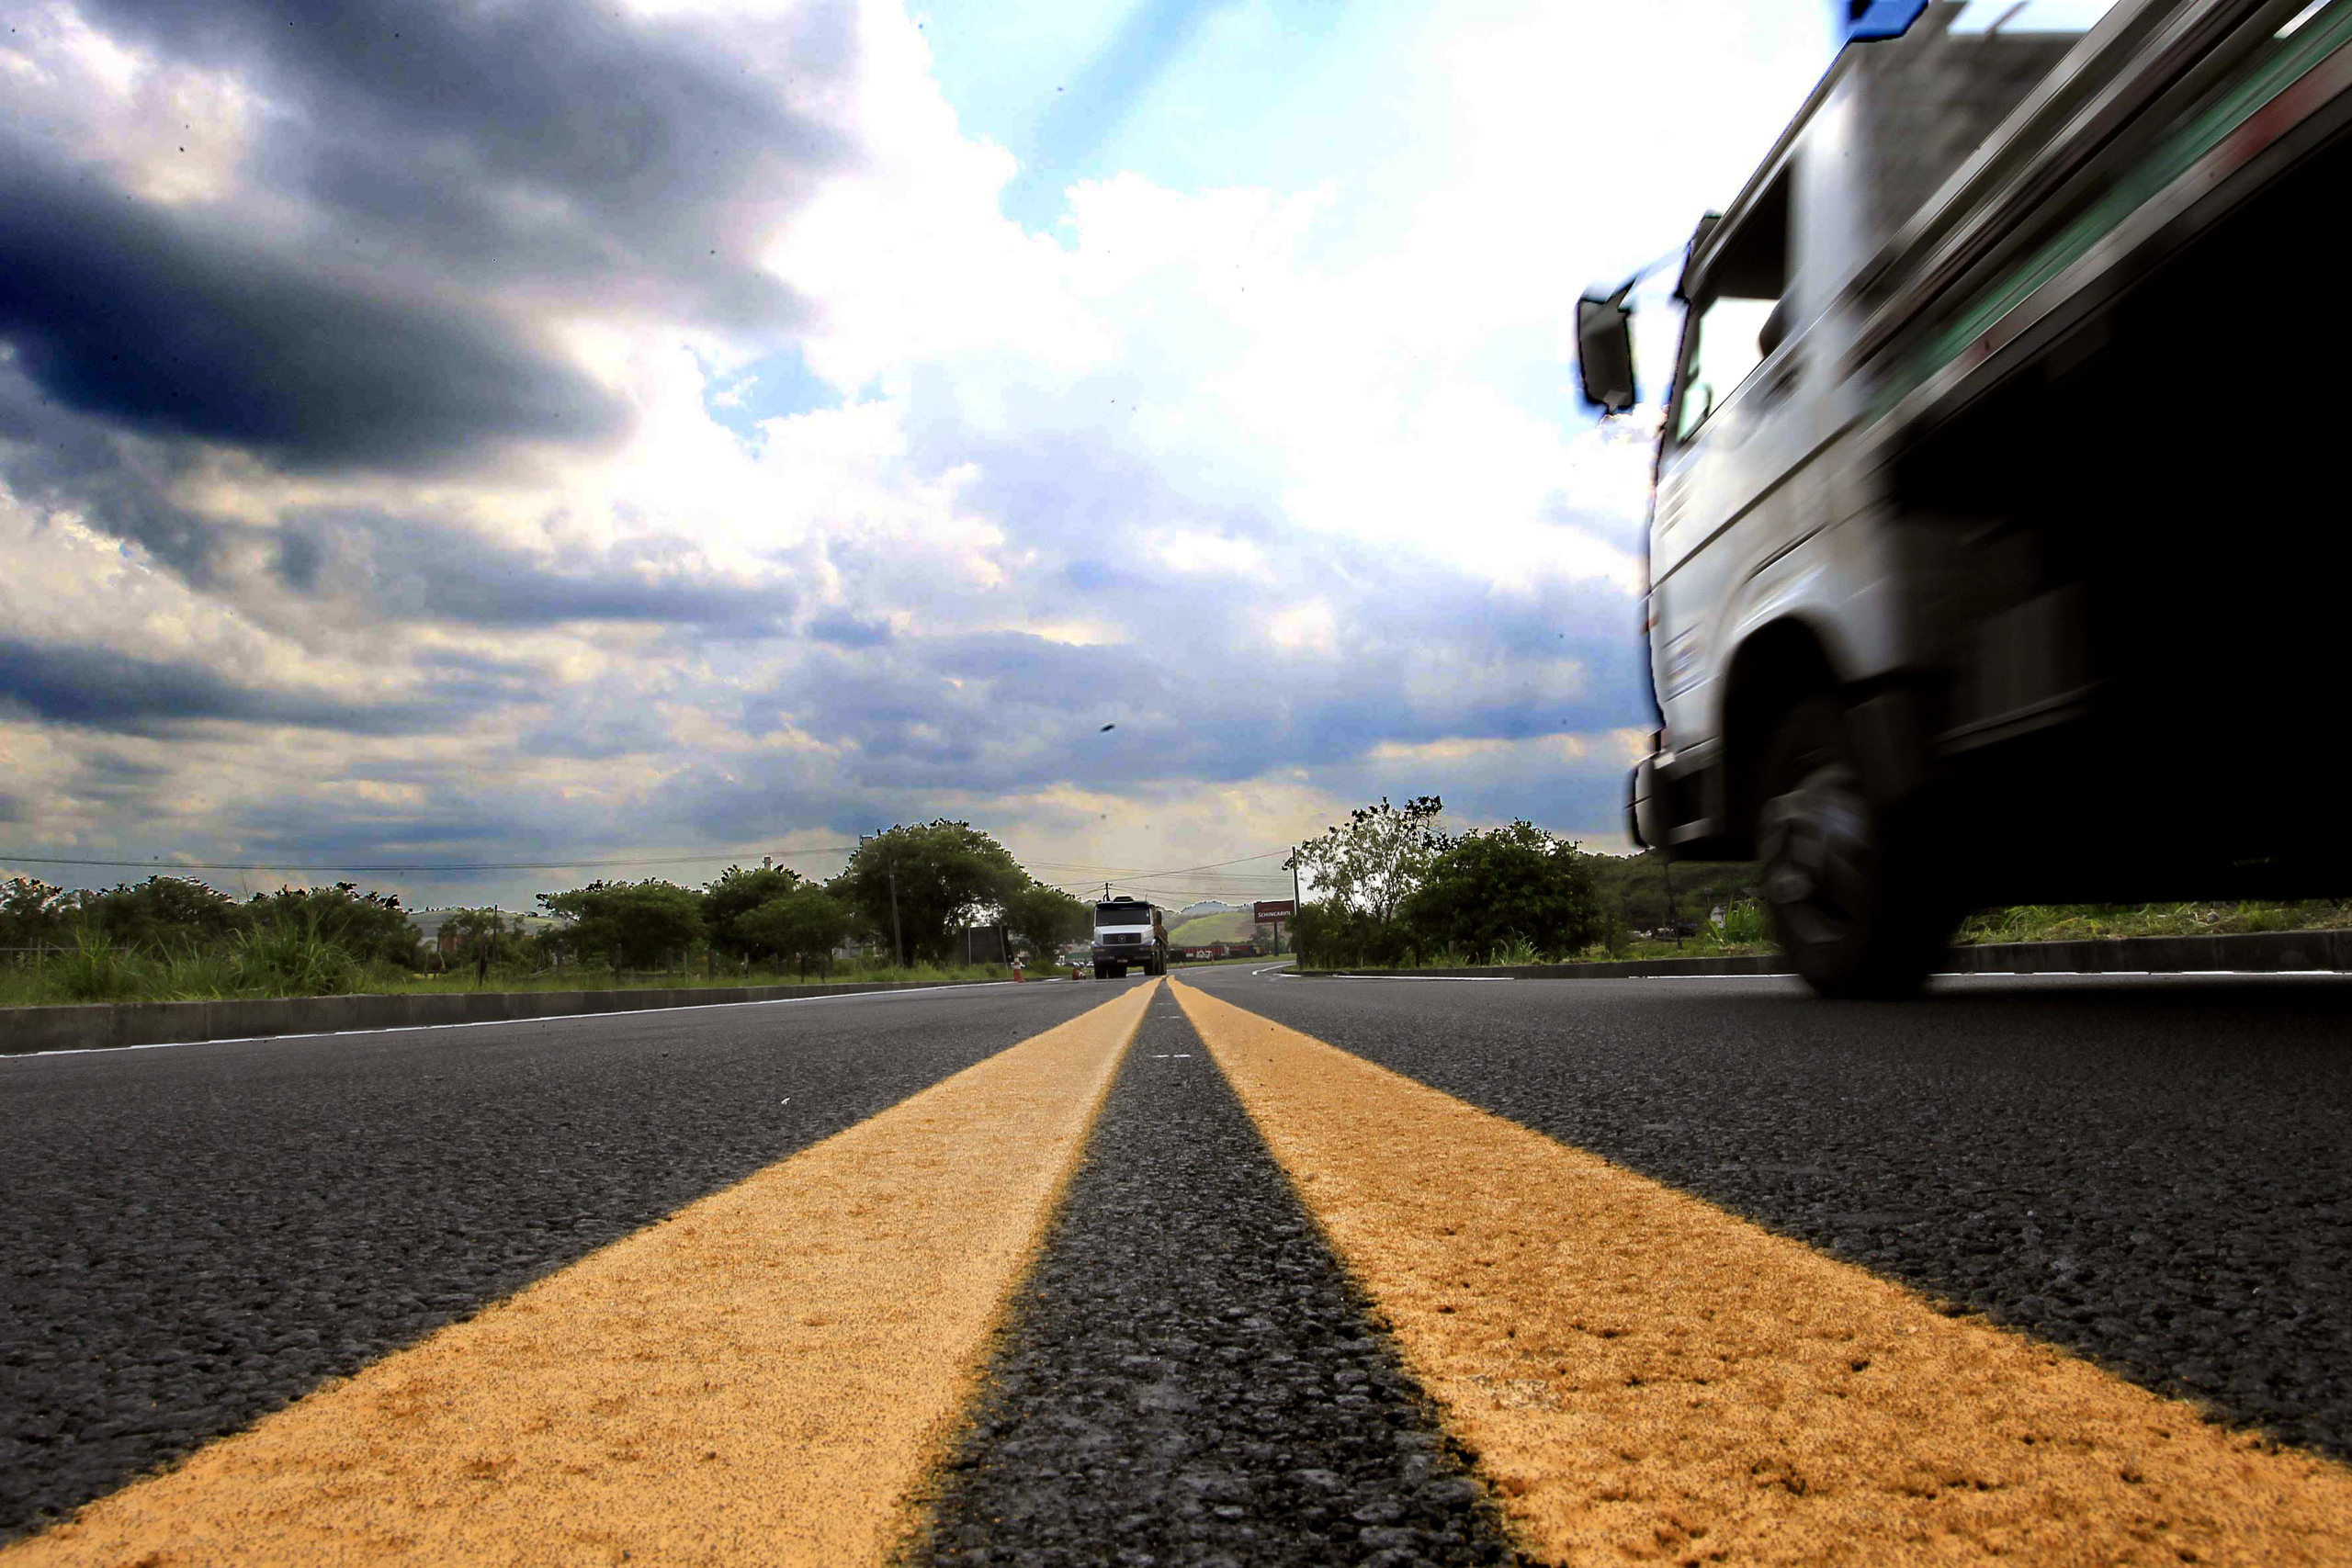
{"x": 2255, "y": 952}
{"x": 100, "y": 1025}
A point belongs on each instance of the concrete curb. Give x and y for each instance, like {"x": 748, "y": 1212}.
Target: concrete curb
{"x": 2253, "y": 952}
{"x": 101, "y": 1025}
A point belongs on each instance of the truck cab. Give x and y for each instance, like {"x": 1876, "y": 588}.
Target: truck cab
{"x": 1128, "y": 931}
{"x": 1955, "y": 592}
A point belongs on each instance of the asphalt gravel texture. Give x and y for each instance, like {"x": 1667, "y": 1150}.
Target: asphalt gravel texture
{"x": 197, "y": 1235}
{"x": 2151, "y": 1172}
{"x": 1189, "y": 1377}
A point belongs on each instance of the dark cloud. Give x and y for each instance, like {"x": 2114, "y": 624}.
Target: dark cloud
{"x": 175, "y": 326}
{"x": 54, "y": 458}
{"x": 425, "y": 570}
{"x": 425, "y": 178}
{"x": 844, "y": 630}
{"x": 585, "y": 732}
{"x": 647, "y": 157}
{"x": 98, "y": 689}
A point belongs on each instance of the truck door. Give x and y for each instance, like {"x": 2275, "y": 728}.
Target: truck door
{"x": 1741, "y": 422}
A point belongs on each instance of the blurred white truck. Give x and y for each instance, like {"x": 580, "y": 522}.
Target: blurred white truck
{"x": 1129, "y": 931}
{"x": 1997, "y": 538}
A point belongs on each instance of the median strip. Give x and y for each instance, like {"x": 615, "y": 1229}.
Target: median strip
{"x": 1644, "y": 1375}
{"x": 764, "y": 1376}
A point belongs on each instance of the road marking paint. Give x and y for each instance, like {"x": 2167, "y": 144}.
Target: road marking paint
{"x": 1644, "y": 1375}
{"x": 1439, "y": 979}
{"x": 764, "y": 1377}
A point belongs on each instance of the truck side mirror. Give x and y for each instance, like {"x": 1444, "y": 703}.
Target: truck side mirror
{"x": 1605, "y": 350}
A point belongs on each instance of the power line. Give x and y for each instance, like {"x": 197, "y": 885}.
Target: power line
{"x": 1103, "y": 871}
{"x": 1133, "y": 877}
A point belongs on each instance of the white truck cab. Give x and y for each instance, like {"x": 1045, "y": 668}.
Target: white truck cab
{"x": 1970, "y": 579}
{"x": 1129, "y": 931}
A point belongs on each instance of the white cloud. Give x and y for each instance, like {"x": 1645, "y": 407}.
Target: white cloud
{"x": 1260, "y": 432}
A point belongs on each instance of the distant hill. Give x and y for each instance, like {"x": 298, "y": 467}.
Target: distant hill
{"x": 1205, "y": 929}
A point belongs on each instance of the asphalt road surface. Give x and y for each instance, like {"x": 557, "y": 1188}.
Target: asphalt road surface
{"x": 2147, "y": 1173}
{"x": 195, "y": 1235}
{"x": 2155, "y": 1172}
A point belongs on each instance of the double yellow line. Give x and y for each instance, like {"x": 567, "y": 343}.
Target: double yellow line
{"x": 1644, "y": 1377}
{"x": 764, "y": 1377}
{"x": 768, "y": 1375}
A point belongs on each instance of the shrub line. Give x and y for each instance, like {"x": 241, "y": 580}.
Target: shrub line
{"x": 2254, "y": 952}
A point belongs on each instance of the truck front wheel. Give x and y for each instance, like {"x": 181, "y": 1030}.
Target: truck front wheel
{"x": 1855, "y": 901}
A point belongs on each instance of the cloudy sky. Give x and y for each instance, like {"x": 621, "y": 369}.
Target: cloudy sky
{"x": 523, "y": 432}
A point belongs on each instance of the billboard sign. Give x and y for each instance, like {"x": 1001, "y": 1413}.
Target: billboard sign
{"x": 1273, "y": 911}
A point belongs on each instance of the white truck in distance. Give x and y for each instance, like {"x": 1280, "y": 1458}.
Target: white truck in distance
{"x": 1996, "y": 546}
{"x": 1128, "y": 931}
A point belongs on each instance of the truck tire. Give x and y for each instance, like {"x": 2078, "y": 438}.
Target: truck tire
{"x": 1101, "y": 971}
{"x": 1855, "y": 899}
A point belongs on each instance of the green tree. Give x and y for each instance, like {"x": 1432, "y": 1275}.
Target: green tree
{"x": 736, "y": 892}
{"x": 466, "y": 933}
{"x": 1365, "y": 869}
{"x": 163, "y": 914}
{"x": 1047, "y": 918}
{"x": 1486, "y": 890}
{"x": 945, "y": 875}
{"x": 636, "y": 925}
{"x": 33, "y": 914}
{"x": 803, "y": 925}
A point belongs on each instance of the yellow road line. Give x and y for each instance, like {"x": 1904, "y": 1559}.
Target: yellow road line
{"x": 762, "y": 1378}
{"x": 1645, "y": 1376}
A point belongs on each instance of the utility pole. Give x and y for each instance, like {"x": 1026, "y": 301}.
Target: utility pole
{"x": 898, "y": 937}
{"x": 890, "y": 869}
{"x": 1296, "y": 904}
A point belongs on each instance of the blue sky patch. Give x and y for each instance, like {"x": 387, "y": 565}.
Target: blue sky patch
{"x": 778, "y": 386}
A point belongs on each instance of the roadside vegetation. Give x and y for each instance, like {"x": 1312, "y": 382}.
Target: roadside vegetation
{"x": 1397, "y": 891}
{"x": 898, "y": 911}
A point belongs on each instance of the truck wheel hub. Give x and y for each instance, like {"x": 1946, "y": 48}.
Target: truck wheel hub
{"x": 1815, "y": 843}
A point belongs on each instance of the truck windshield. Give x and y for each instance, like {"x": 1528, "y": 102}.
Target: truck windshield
{"x": 1123, "y": 914}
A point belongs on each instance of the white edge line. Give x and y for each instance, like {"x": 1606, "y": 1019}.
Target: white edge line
{"x": 1439, "y": 979}
{"x": 499, "y": 1022}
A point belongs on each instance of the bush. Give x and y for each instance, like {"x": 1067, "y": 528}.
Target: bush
{"x": 92, "y": 970}
{"x": 284, "y": 959}
{"x": 803, "y": 925}
{"x": 1516, "y": 889}
{"x": 635, "y": 925}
